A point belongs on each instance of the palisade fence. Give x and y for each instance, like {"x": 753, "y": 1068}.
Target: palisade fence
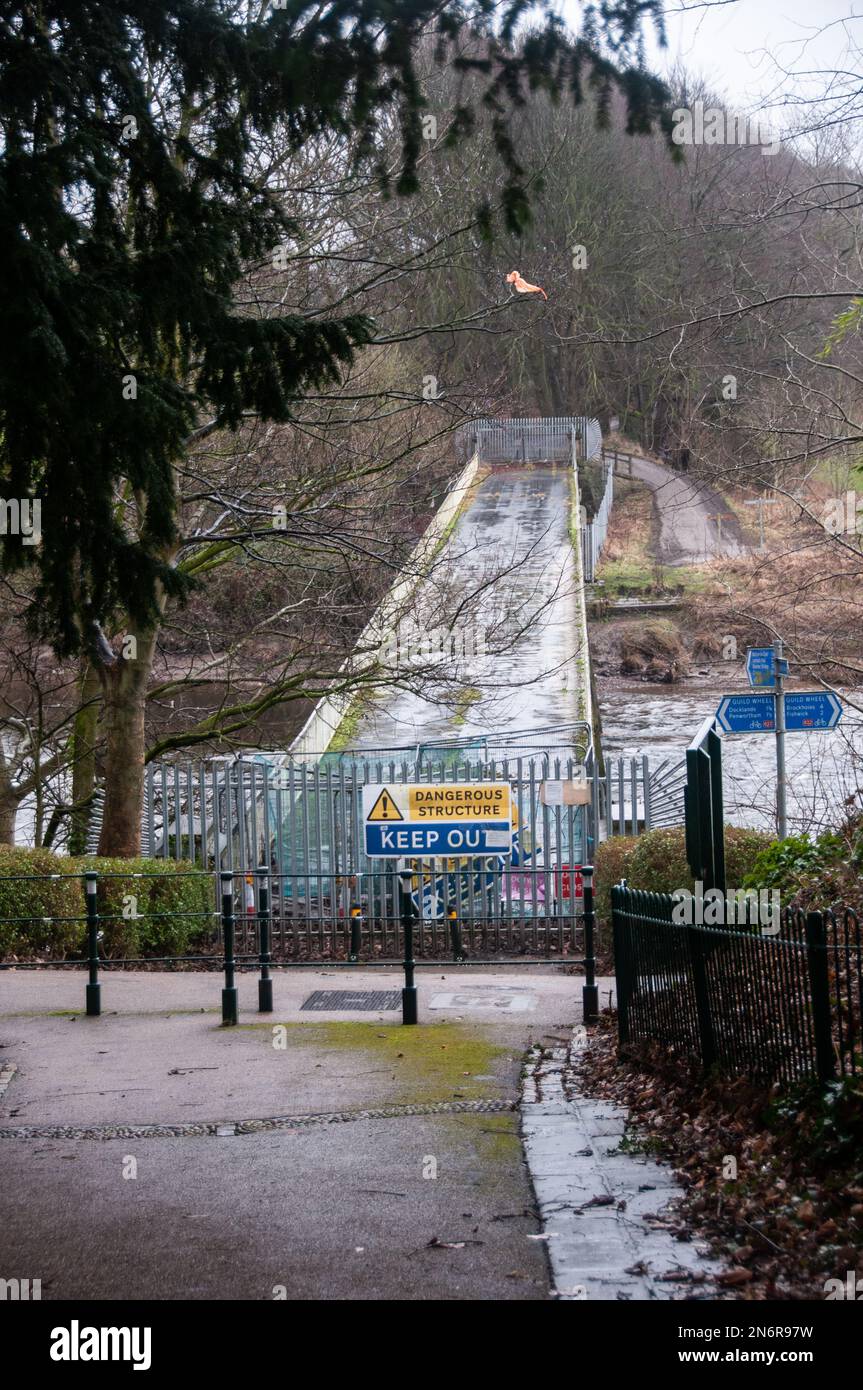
{"x": 303, "y": 821}
{"x": 780, "y": 1005}
{"x": 549, "y": 439}
{"x": 540, "y": 439}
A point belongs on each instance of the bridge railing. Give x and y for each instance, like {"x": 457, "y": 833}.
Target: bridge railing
{"x": 594, "y": 532}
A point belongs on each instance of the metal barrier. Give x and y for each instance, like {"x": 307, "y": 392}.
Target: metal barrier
{"x": 631, "y": 797}
{"x": 538, "y": 439}
{"x": 247, "y": 937}
{"x": 594, "y": 532}
{"x": 305, "y": 823}
{"x": 780, "y": 1002}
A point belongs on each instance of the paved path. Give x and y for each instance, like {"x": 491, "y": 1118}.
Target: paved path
{"x": 152, "y": 1153}
{"x": 689, "y": 533}
{"x": 387, "y": 1163}
{"x": 605, "y": 1210}
{"x": 158, "y": 1054}
{"x": 512, "y": 546}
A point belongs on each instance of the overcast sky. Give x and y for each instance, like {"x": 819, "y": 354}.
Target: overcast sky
{"x": 736, "y": 46}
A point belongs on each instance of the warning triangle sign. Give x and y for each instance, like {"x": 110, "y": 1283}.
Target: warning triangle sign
{"x": 385, "y": 808}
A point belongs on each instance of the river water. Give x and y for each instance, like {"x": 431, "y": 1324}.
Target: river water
{"x": 823, "y": 769}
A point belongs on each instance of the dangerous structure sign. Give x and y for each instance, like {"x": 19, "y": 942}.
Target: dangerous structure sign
{"x": 384, "y": 809}
{"x": 434, "y": 820}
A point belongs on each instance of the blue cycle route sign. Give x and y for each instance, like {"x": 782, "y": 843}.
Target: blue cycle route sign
{"x": 747, "y": 714}
{"x": 761, "y": 667}
{"x": 811, "y": 709}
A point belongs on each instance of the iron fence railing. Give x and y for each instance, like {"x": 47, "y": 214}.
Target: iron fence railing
{"x": 246, "y": 932}
{"x": 776, "y": 1001}
{"x": 487, "y": 912}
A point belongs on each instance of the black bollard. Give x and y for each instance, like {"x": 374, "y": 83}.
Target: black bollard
{"x": 409, "y": 993}
{"x": 590, "y": 989}
{"x": 458, "y": 954}
{"x": 356, "y": 932}
{"x": 94, "y": 989}
{"x": 230, "y": 1004}
{"x": 265, "y": 983}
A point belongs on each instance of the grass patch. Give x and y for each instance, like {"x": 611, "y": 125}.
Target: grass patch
{"x": 468, "y": 697}
{"x": 627, "y": 565}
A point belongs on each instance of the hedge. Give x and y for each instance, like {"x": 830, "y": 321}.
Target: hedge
{"x": 174, "y": 906}
{"x": 40, "y": 906}
{"x": 611, "y": 864}
{"x": 656, "y": 861}
{"x": 165, "y": 913}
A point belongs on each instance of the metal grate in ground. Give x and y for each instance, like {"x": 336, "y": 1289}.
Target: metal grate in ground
{"x": 347, "y": 1000}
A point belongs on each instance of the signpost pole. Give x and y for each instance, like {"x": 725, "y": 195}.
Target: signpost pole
{"x": 590, "y": 989}
{"x": 409, "y": 993}
{"x": 781, "y": 787}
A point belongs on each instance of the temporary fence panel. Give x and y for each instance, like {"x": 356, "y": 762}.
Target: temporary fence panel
{"x": 305, "y": 824}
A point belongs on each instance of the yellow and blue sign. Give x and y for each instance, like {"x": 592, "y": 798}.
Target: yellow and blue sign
{"x": 437, "y": 820}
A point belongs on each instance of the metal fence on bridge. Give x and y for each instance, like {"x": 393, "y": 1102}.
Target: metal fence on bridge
{"x": 593, "y": 532}
{"x": 539, "y": 439}
{"x": 305, "y": 824}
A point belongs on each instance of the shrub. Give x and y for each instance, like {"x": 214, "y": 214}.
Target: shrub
{"x": 153, "y": 908}
{"x": 811, "y": 873}
{"x": 43, "y": 906}
{"x": 611, "y": 864}
{"x": 179, "y": 896}
{"x": 742, "y": 848}
{"x": 791, "y": 863}
{"x": 657, "y": 860}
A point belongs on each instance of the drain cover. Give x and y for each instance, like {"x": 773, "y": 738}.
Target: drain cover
{"x": 333, "y": 1000}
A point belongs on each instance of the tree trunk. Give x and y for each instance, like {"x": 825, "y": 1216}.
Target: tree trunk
{"x": 84, "y": 765}
{"x": 8, "y": 814}
{"x": 125, "y": 696}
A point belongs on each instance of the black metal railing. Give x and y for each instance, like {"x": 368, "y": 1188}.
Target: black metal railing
{"x": 247, "y": 932}
{"x": 777, "y": 1000}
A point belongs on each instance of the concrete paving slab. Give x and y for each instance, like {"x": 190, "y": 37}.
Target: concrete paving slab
{"x": 608, "y": 1209}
